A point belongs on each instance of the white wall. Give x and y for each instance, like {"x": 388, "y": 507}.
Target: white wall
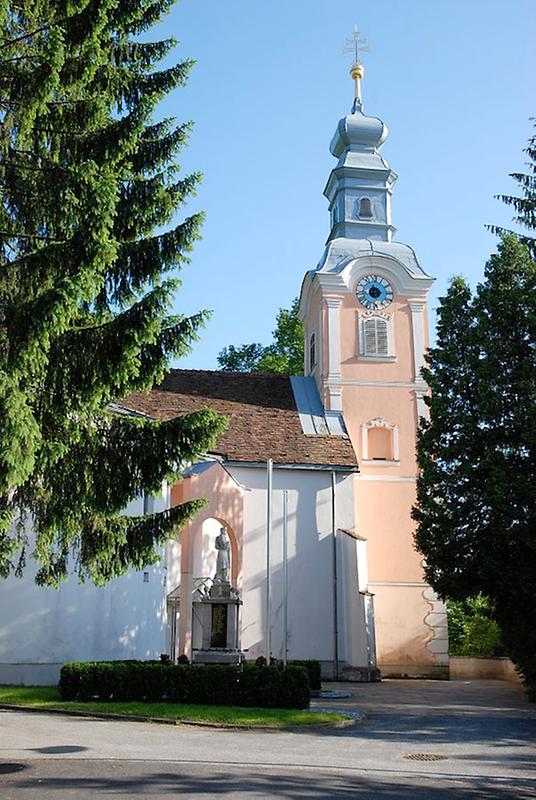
{"x": 41, "y": 628}
{"x": 310, "y": 567}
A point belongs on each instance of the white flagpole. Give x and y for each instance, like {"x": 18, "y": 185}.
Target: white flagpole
{"x": 285, "y": 577}
{"x": 268, "y": 620}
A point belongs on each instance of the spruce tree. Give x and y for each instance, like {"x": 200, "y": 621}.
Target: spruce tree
{"x": 525, "y": 205}
{"x": 89, "y": 251}
{"x": 475, "y": 512}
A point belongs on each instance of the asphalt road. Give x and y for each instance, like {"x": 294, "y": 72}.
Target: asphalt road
{"x": 485, "y": 729}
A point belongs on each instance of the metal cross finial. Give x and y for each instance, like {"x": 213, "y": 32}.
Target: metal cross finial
{"x": 356, "y": 44}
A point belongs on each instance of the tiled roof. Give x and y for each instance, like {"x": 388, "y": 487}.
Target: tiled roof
{"x": 264, "y": 421}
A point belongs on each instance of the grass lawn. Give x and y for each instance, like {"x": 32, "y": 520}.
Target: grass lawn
{"x": 47, "y": 697}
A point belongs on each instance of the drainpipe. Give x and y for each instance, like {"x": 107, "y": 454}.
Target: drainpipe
{"x": 268, "y": 620}
{"x": 335, "y": 590}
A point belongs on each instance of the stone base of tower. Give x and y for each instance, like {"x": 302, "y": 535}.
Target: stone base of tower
{"x": 433, "y": 673}
{"x": 411, "y": 631}
{"x": 348, "y": 672}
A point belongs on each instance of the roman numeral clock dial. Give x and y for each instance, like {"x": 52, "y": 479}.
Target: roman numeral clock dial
{"x": 374, "y": 292}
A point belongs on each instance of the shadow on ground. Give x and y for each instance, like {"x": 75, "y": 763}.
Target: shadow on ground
{"x": 111, "y": 778}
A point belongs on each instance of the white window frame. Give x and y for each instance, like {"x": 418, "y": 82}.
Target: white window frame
{"x": 364, "y": 316}
{"x": 379, "y": 422}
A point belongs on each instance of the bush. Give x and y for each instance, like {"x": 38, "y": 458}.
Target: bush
{"x": 275, "y": 686}
{"x": 313, "y": 670}
{"x": 472, "y": 629}
{"x": 246, "y": 685}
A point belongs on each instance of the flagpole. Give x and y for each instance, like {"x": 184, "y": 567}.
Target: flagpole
{"x": 268, "y": 620}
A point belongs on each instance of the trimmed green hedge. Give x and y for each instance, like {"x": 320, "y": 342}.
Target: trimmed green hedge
{"x": 246, "y": 685}
{"x": 313, "y": 670}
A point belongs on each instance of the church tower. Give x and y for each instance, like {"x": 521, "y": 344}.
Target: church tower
{"x": 366, "y": 331}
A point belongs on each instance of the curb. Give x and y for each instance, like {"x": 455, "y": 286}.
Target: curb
{"x": 352, "y": 719}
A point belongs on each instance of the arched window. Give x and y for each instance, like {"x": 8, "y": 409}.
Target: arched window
{"x": 312, "y": 351}
{"x": 365, "y": 208}
{"x": 375, "y": 337}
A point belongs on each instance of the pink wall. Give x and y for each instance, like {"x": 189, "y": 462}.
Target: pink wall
{"x": 225, "y": 502}
{"x": 385, "y": 490}
{"x": 382, "y": 517}
{"x": 354, "y": 368}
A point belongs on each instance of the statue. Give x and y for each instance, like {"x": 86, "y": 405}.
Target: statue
{"x": 223, "y": 561}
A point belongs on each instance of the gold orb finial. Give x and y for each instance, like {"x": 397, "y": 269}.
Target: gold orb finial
{"x": 357, "y": 71}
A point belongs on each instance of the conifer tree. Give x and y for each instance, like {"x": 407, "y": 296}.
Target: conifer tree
{"x": 475, "y": 512}
{"x": 88, "y": 248}
{"x": 524, "y": 206}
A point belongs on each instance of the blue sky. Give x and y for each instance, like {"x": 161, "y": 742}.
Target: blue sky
{"x": 453, "y": 80}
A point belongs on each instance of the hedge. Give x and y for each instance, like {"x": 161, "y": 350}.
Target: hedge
{"x": 313, "y": 670}
{"x": 246, "y": 685}
{"x": 312, "y": 667}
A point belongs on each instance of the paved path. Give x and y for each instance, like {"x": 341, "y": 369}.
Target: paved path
{"x": 485, "y": 728}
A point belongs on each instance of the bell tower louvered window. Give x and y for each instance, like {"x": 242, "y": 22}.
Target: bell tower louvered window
{"x": 375, "y": 336}
{"x": 365, "y": 208}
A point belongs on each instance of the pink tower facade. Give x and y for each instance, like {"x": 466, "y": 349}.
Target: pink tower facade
{"x": 364, "y": 310}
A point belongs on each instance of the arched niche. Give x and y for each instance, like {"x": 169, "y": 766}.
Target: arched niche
{"x": 203, "y": 550}
{"x": 379, "y": 441}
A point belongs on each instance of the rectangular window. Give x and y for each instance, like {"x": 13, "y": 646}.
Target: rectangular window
{"x": 375, "y": 337}
{"x": 312, "y": 351}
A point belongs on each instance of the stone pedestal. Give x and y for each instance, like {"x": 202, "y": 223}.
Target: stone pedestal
{"x": 216, "y": 626}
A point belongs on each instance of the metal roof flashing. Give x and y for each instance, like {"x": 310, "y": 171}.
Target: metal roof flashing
{"x": 314, "y": 420}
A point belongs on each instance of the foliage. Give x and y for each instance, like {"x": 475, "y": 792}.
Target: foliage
{"x": 284, "y": 355}
{"x": 313, "y": 670}
{"x": 475, "y": 512}
{"x": 245, "y": 685}
{"x": 244, "y": 358}
{"x": 87, "y": 178}
{"x": 472, "y": 629}
{"x": 524, "y": 206}
{"x": 312, "y": 667}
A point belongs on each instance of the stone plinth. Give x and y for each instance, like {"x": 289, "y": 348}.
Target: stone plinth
{"x": 216, "y": 626}
{"x": 218, "y": 656}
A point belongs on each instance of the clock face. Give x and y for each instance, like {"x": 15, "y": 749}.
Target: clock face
{"x": 374, "y": 292}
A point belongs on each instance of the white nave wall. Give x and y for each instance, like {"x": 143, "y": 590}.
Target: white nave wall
{"x": 41, "y": 628}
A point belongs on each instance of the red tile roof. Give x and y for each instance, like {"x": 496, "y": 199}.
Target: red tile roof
{"x": 264, "y": 422}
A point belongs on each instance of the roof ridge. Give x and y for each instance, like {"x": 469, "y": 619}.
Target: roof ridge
{"x": 230, "y": 372}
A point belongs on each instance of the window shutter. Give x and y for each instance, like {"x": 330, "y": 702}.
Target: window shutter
{"x": 382, "y": 346}
{"x": 370, "y": 337}
{"x": 376, "y": 340}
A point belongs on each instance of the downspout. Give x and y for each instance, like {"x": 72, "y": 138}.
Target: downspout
{"x": 335, "y": 587}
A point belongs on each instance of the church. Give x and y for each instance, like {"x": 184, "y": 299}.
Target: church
{"x": 313, "y": 481}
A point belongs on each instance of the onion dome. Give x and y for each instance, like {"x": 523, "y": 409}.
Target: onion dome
{"x": 356, "y": 131}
